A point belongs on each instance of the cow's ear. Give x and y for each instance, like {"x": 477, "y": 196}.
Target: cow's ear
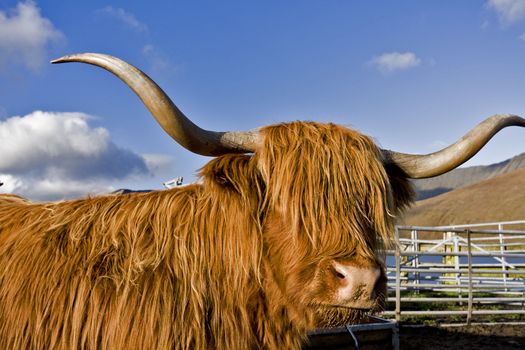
{"x": 403, "y": 193}
{"x": 234, "y": 172}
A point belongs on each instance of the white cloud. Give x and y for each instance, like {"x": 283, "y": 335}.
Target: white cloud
{"x": 159, "y": 163}
{"x": 395, "y": 61}
{"x": 509, "y": 11}
{"x": 522, "y": 36}
{"x": 159, "y": 64}
{"x": 125, "y": 17}
{"x": 53, "y": 155}
{"x": 9, "y": 183}
{"x": 25, "y": 35}
{"x": 52, "y": 189}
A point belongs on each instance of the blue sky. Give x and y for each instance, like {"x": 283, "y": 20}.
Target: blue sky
{"x": 415, "y": 75}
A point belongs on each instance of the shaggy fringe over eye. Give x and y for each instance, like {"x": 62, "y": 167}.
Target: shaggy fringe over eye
{"x": 330, "y": 184}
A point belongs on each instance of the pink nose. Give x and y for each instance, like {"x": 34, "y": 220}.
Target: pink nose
{"x": 357, "y": 285}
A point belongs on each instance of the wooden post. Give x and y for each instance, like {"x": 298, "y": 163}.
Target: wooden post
{"x": 449, "y": 247}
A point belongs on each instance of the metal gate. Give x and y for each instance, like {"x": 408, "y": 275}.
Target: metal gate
{"x": 463, "y": 270}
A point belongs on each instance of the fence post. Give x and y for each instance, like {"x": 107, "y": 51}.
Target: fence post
{"x": 415, "y": 261}
{"x": 470, "y": 296}
{"x": 398, "y": 276}
{"x": 503, "y": 260}
{"x": 457, "y": 258}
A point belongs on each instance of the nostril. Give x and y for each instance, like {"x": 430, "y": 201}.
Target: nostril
{"x": 338, "y": 273}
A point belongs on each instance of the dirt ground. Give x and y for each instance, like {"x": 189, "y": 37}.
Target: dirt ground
{"x": 479, "y": 337}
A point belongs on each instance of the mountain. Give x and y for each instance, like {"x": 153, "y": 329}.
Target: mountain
{"x": 500, "y": 198}
{"x": 461, "y": 177}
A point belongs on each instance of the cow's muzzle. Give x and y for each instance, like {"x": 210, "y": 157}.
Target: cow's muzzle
{"x": 359, "y": 287}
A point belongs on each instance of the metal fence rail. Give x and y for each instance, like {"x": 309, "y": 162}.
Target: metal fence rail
{"x": 478, "y": 269}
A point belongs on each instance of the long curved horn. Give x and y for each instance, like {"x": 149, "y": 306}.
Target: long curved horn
{"x": 419, "y": 166}
{"x": 170, "y": 118}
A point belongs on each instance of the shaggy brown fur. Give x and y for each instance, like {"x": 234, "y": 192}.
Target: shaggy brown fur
{"x": 237, "y": 262}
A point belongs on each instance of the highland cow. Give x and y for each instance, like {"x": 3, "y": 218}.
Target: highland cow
{"x": 285, "y": 232}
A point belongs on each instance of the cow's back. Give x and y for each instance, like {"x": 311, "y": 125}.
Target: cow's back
{"x": 91, "y": 273}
